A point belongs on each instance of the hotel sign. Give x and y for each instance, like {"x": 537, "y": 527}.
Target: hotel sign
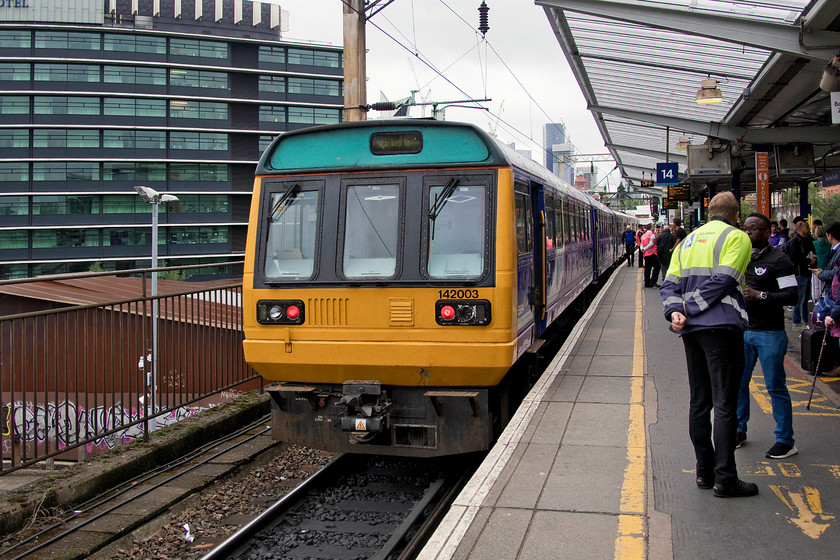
{"x": 54, "y": 11}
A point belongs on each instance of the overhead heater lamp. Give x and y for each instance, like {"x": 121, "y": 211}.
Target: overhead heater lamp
{"x": 830, "y": 80}
{"x": 683, "y": 143}
{"x": 709, "y": 93}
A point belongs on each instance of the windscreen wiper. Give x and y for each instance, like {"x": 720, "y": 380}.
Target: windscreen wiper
{"x": 443, "y": 198}
{"x": 286, "y": 195}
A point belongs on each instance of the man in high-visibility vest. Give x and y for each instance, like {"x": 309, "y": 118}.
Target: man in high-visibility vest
{"x": 704, "y": 303}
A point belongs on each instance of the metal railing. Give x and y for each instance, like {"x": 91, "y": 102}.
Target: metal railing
{"x": 82, "y": 378}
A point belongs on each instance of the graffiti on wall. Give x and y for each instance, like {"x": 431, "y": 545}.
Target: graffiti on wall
{"x": 66, "y": 423}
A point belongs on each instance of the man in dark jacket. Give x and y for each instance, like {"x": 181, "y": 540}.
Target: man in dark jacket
{"x": 664, "y": 244}
{"x": 770, "y": 286}
{"x": 800, "y": 250}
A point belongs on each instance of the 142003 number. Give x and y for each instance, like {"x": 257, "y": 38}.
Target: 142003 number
{"x": 458, "y": 294}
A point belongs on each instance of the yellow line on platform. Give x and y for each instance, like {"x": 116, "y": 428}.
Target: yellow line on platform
{"x": 632, "y": 522}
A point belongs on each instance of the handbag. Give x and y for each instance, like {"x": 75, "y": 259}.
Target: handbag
{"x": 822, "y": 308}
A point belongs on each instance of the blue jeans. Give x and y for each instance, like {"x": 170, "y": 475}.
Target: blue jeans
{"x": 800, "y": 310}
{"x": 769, "y": 347}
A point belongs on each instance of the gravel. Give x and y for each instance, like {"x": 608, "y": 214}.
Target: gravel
{"x": 225, "y": 507}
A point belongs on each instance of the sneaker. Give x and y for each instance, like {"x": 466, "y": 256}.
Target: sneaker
{"x": 781, "y": 451}
{"x": 740, "y": 438}
{"x": 798, "y": 327}
{"x": 739, "y": 489}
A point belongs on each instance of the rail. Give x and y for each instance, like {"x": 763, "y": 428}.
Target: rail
{"x": 79, "y": 369}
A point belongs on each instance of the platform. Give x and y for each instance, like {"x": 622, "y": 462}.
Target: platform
{"x": 597, "y": 462}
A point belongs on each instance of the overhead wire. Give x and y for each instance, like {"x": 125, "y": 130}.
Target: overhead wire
{"x": 513, "y": 130}
{"x": 518, "y": 81}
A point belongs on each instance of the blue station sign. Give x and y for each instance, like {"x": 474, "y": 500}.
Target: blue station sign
{"x": 667, "y": 173}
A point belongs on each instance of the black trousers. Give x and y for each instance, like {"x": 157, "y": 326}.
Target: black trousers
{"x": 651, "y": 270}
{"x": 715, "y": 359}
{"x": 641, "y": 258}
{"x": 630, "y": 250}
{"x": 663, "y": 267}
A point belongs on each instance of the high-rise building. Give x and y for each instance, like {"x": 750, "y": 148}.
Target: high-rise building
{"x": 558, "y": 152}
{"x": 99, "y": 96}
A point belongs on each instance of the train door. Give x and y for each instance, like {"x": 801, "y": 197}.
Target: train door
{"x": 539, "y": 290}
{"x": 525, "y": 258}
{"x": 596, "y": 246}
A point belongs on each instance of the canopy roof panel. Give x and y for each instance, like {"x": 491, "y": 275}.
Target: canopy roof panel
{"x": 640, "y": 64}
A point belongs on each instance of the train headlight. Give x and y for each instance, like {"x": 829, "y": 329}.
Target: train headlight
{"x": 280, "y": 312}
{"x": 462, "y": 312}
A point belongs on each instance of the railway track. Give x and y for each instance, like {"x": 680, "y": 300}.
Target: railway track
{"x": 68, "y": 534}
{"x": 357, "y": 507}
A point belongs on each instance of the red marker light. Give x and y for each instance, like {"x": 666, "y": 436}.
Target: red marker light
{"x": 447, "y": 312}
{"x": 292, "y": 312}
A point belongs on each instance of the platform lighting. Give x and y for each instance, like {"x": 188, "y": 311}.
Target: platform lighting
{"x": 154, "y": 198}
{"x": 830, "y": 80}
{"x": 708, "y": 93}
{"x": 683, "y": 143}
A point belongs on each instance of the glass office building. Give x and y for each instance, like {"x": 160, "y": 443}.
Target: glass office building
{"x": 98, "y": 96}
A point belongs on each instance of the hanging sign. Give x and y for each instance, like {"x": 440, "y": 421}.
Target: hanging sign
{"x": 680, "y": 191}
{"x": 762, "y": 182}
{"x": 667, "y": 173}
{"x": 835, "y": 107}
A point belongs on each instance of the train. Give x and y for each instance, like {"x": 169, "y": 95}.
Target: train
{"x": 398, "y": 272}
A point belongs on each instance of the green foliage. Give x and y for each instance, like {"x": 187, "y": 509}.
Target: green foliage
{"x": 746, "y": 209}
{"x": 177, "y": 275}
{"x": 96, "y": 267}
{"x": 827, "y": 209}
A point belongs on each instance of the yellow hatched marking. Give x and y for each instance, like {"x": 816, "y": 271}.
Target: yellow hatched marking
{"x": 799, "y": 390}
{"x": 806, "y": 505}
{"x": 632, "y": 524}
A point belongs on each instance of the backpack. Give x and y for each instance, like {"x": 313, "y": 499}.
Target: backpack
{"x": 788, "y": 249}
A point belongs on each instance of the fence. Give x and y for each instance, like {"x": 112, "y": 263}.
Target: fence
{"x": 88, "y": 376}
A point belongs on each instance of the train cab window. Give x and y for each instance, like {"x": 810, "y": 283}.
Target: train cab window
{"x": 457, "y": 226}
{"x": 371, "y": 231}
{"x": 292, "y": 232}
{"x": 524, "y": 243}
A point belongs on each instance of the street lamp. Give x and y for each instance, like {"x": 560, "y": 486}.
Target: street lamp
{"x": 154, "y": 198}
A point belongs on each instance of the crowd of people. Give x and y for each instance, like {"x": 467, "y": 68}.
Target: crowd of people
{"x": 654, "y": 245}
{"x": 737, "y": 278}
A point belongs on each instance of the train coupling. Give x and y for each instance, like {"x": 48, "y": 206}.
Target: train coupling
{"x": 366, "y": 407}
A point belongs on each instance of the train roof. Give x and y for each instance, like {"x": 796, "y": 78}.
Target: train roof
{"x": 399, "y": 144}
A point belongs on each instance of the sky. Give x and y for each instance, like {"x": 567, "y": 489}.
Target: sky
{"x": 519, "y": 65}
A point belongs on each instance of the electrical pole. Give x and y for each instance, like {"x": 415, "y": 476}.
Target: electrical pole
{"x": 355, "y": 72}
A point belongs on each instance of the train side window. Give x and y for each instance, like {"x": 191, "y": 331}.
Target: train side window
{"x": 456, "y": 229}
{"x": 558, "y": 226}
{"x": 371, "y": 231}
{"x": 549, "y": 227}
{"x": 572, "y": 232}
{"x": 292, "y": 232}
{"x": 524, "y": 243}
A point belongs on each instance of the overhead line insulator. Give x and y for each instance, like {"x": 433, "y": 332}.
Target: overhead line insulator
{"x": 483, "y": 20}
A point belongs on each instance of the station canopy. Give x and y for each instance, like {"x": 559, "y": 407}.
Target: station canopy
{"x": 641, "y": 64}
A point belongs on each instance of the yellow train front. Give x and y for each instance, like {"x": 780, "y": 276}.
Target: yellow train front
{"x": 386, "y": 290}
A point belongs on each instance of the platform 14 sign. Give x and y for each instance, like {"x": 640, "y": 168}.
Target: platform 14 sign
{"x": 667, "y": 174}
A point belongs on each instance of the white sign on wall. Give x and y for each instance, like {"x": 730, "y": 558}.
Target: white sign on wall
{"x": 835, "y": 107}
